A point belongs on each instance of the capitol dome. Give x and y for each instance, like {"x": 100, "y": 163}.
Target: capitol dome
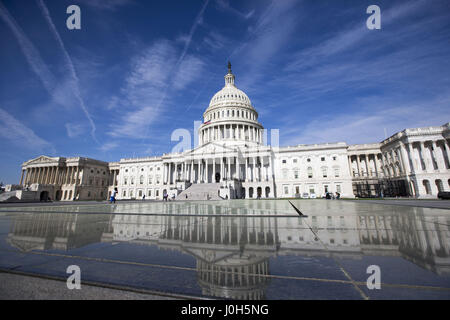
{"x": 230, "y": 116}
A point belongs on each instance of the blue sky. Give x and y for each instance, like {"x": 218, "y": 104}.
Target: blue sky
{"x": 138, "y": 70}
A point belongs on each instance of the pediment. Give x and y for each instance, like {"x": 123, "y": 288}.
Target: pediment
{"x": 43, "y": 159}
{"x": 212, "y": 148}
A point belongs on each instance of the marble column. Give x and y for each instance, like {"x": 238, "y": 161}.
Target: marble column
{"x": 422, "y": 157}
{"x": 207, "y": 176}
{"x": 21, "y": 177}
{"x": 270, "y": 169}
{"x": 77, "y": 175}
{"x": 357, "y": 166}
{"x": 238, "y": 171}
{"x": 446, "y": 147}
{"x": 410, "y": 156}
{"x": 254, "y": 169}
{"x": 214, "y": 170}
{"x": 366, "y": 162}
{"x": 405, "y": 159}
{"x": 440, "y": 162}
{"x": 246, "y": 169}
{"x": 27, "y": 174}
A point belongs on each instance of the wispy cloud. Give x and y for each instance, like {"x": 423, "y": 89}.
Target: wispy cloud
{"x": 225, "y": 6}
{"x": 154, "y": 73}
{"x": 62, "y": 92}
{"x": 107, "y": 4}
{"x": 34, "y": 59}
{"x": 22, "y": 136}
{"x": 367, "y": 124}
{"x": 349, "y": 37}
{"x": 69, "y": 64}
{"x": 109, "y": 146}
{"x": 144, "y": 90}
{"x": 74, "y": 129}
{"x": 197, "y": 21}
{"x": 265, "y": 38}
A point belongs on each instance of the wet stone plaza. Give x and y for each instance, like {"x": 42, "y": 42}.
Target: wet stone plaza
{"x": 239, "y": 249}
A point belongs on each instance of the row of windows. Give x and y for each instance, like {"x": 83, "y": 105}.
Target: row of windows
{"x": 140, "y": 193}
{"x": 295, "y": 160}
{"x": 157, "y": 179}
{"x": 98, "y": 171}
{"x": 310, "y": 189}
{"x": 236, "y": 96}
{"x": 143, "y": 169}
{"x": 97, "y": 182}
{"x": 309, "y": 172}
{"x": 231, "y": 113}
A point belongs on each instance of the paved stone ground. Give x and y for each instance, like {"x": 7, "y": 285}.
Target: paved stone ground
{"x": 440, "y": 204}
{"x": 22, "y": 287}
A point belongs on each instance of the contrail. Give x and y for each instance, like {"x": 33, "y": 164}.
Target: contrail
{"x": 30, "y": 52}
{"x": 192, "y": 31}
{"x": 180, "y": 59}
{"x": 69, "y": 63}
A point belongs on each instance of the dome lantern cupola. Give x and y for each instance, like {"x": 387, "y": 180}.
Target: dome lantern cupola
{"x": 230, "y": 117}
{"x": 229, "y": 77}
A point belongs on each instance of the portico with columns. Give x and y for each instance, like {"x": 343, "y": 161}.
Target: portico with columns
{"x": 66, "y": 179}
{"x": 421, "y": 157}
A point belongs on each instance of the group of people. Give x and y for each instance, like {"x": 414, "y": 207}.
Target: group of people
{"x": 330, "y": 195}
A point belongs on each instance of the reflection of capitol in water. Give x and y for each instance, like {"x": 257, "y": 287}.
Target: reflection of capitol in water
{"x": 233, "y": 253}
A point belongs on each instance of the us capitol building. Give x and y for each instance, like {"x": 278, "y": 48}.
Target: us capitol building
{"x": 231, "y": 161}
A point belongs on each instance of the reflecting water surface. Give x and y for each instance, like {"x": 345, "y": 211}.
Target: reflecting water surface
{"x": 238, "y": 249}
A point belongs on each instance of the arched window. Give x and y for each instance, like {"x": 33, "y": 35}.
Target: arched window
{"x": 324, "y": 172}
{"x": 439, "y": 185}
{"x": 427, "y": 186}
{"x": 310, "y": 172}
{"x": 141, "y": 180}
{"x": 336, "y": 172}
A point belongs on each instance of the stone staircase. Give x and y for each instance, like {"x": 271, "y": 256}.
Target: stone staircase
{"x": 9, "y": 196}
{"x": 201, "y": 191}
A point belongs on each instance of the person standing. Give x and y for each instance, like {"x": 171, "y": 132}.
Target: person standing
{"x": 113, "y": 196}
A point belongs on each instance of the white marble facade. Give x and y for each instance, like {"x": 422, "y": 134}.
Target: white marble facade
{"x": 232, "y": 161}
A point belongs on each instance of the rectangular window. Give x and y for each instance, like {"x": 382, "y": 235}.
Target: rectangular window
{"x": 338, "y": 188}
{"x": 336, "y": 172}
{"x": 286, "y": 190}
